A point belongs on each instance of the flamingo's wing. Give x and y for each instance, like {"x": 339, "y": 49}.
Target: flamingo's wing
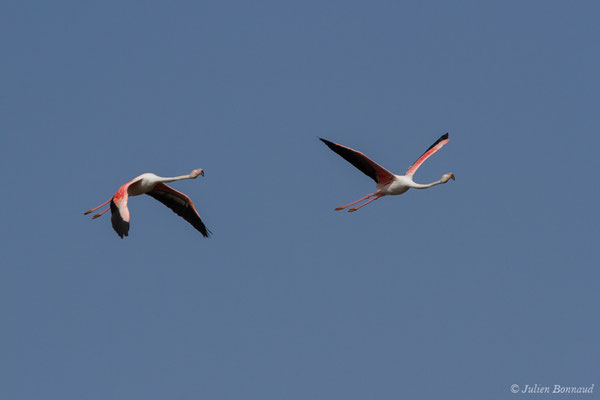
{"x": 180, "y": 204}
{"x": 428, "y": 153}
{"x": 119, "y": 218}
{"x": 362, "y": 162}
{"x": 119, "y": 211}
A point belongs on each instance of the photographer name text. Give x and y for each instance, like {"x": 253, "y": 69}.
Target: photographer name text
{"x": 553, "y": 389}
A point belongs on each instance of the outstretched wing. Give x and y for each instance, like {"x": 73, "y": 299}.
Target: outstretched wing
{"x": 119, "y": 213}
{"x": 362, "y": 162}
{"x": 430, "y": 151}
{"x": 180, "y": 204}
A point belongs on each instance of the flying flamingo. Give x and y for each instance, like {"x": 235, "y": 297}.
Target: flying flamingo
{"x": 388, "y": 184}
{"x": 154, "y": 186}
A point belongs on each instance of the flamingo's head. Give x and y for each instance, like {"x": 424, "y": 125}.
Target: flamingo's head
{"x": 194, "y": 174}
{"x": 447, "y": 177}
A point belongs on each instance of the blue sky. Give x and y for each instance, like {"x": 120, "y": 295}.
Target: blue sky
{"x": 458, "y": 291}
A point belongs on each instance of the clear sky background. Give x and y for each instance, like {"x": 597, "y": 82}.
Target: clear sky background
{"x": 458, "y": 291}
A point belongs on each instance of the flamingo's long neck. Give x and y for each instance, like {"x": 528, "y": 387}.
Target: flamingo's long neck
{"x": 146, "y": 182}
{"x": 425, "y": 185}
{"x": 173, "y": 179}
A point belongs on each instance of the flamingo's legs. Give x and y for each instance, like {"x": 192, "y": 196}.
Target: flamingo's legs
{"x": 95, "y": 208}
{"x": 362, "y": 205}
{"x": 354, "y": 202}
{"x": 100, "y": 213}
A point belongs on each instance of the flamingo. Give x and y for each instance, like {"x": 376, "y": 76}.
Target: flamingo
{"x": 388, "y": 184}
{"x": 154, "y": 186}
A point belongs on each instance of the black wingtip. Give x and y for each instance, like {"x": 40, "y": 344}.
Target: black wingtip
{"x": 329, "y": 144}
{"x": 206, "y": 232}
{"x": 444, "y": 136}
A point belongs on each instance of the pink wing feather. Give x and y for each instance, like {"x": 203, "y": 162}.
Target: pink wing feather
{"x": 430, "y": 151}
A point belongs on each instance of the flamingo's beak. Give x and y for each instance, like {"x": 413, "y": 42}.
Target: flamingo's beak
{"x": 451, "y": 175}
{"x": 197, "y": 172}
